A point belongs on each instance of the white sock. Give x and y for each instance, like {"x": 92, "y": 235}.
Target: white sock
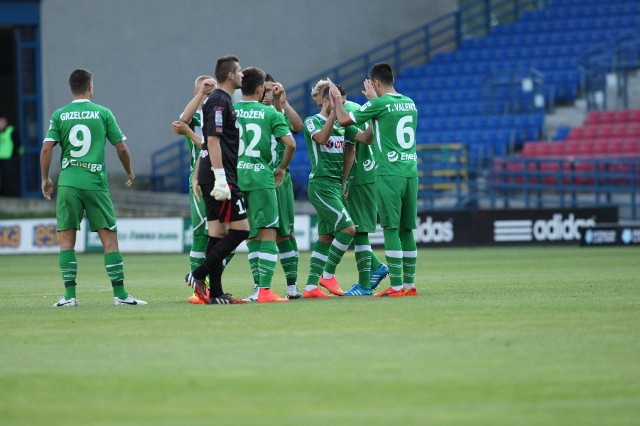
{"x": 327, "y": 276}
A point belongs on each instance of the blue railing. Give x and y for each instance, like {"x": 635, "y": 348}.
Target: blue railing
{"x": 620, "y": 55}
{"x": 170, "y": 168}
{"x": 566, "y": 182}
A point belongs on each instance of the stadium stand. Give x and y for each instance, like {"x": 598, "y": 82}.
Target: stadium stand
{"x": 605, "y": 150}
{"x": 484, "y": 94}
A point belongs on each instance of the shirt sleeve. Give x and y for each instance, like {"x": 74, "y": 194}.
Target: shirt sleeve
{"x": 279, "y": 127}
{"x": 368, "y": 111}
{"x": 53, "y": 134}
{"x": 215, "y": 113}
{"x": 350, "y": 133}
{"x": 114, "y": 134}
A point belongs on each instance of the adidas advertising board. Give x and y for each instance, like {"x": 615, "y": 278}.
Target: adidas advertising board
{"x": 504, "y": 227}
{"x": 546, "y": 226}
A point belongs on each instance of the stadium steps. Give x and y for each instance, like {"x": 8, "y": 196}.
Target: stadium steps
{"x": 133, "y": 203}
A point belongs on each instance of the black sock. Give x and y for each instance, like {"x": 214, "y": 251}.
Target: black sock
{"x": 212, "y": 241}
{"x": 202, "y": 271}
{"x": 213, "y": 262}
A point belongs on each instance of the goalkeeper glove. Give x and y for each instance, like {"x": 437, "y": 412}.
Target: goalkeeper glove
{"x": 220, "y": 189}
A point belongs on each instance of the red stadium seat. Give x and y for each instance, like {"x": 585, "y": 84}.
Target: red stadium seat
{"x": 633, "y": 116}
{"x": 556, "y": 149}
{"x": 572, "y": 148}
{"x": 530, "y": 149}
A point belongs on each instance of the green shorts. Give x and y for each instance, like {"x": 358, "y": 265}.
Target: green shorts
{"x": 361, "y": 204}
{"x": 262, "y": 210}
{"x": 72, "y": 203}
{"x": 198, "y": 214}
{"x": 286, "y": 206}
{"x": 326, "y": 197}
{"x": 397, "y": 201}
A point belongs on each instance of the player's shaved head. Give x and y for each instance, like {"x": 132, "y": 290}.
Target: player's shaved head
{"x": 252, "y": 78}
{"x": 224, "y": 66}
{"x": 200, "y": 79}
{"x": 382, "y": 72}
{"x": 80, "y": 81}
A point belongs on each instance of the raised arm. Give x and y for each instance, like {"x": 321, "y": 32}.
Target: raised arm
{"x": 342, "y": 116}
{"x": 323, "y": 135}
{"x": 205, "y": 90}
{"x": 283, "y": 105}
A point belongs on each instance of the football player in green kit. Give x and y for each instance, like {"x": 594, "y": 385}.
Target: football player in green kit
{"x": 358, "y": 187}
{"x": 393, "y": 118}
{"x": 82, "y": 129}
{"x": 325, "y": 141}
{"x": 261, "y": 127}
{"x": 274, "y": 93}
{"x": 190, "y": 127}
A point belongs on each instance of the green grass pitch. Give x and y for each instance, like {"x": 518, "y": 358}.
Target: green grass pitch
{"x": 497, "y": 336}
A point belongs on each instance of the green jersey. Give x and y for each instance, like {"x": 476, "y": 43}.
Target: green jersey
{"x": 259, "y": 125}
{"x": 280, "y": 146}
{"x": 394, "y": 118}
{"x": 327, "y": 160}
{"x": 363, "y": 169}
{"x": 82, "y": 129}
{"x": 194, "y": 151}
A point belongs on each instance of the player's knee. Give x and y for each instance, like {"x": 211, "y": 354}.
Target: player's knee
{"x": 350, "y": 230}
{"x": 325, "y": 238}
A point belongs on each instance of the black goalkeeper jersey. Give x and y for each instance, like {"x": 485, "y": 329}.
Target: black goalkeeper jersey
{"x": 219, "y": 119}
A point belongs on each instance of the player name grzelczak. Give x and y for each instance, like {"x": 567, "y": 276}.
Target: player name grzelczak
{"x": 80, "y": 115}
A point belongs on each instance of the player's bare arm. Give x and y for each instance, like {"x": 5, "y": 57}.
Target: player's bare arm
{"x": 289, "y": 150}
{"x": 342, "y": 116}
{"x": 125, "y": 159}
{"x": 197, "y": 191}
{"x": 365, "y": 136}
{"x": 369, "y": 91}
{"x": 206, "y": 87}
{"x": 181, "y": 128}
{"x": 46, "y": 154}
{"x": 281, "y": 104}
{"x": 349, "y": 159}
{"x": 323, "y": 135}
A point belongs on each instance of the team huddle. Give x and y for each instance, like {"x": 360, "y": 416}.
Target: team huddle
{"x": 363, "y": 169}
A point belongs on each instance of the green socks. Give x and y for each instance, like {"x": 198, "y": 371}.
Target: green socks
{"x": 393, "y": 253}
{"x": 254, "y": 257}
{"x": 197, "y": 253}
{"x": 289, "y": 260}
{"x": 339, "y": 245}
{"x": 318, "y": 261}
{"x": 267, "y": 262}
{"x": 409, "y": 256}
{"x": 69, "y": 272}
{"x": 114, "y": 265}
{"x": 375, "y": 262}
{"x": 362, "y": 248}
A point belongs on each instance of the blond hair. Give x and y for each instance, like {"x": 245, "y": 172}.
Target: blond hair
{"x": 200, "y": 79}
{"x": 319, "y": 87}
